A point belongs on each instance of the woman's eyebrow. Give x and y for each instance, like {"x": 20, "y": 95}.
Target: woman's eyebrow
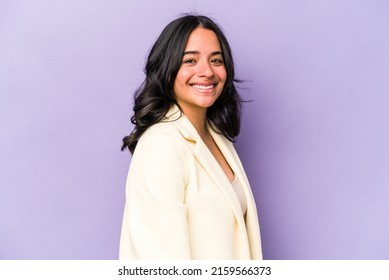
{"x": 197, "y": 52}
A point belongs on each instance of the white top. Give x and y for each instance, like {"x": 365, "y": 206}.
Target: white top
{"x": 237, "y": 186}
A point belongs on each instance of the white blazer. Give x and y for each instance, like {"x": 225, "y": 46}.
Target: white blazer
{"x": 179, "y": 202}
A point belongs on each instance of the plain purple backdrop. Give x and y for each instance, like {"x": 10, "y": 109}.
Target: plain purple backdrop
{"x": 314, "y": 139}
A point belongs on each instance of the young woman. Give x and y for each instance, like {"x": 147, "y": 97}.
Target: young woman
{"x": 187, "y": 195}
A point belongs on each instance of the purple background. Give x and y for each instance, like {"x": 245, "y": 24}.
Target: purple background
{"x": 314, "y": 140}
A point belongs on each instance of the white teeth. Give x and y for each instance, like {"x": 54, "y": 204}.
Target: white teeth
{"x": 203, "y": 86}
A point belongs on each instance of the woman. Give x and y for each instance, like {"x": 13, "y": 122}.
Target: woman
{"x": 187, "y": 195}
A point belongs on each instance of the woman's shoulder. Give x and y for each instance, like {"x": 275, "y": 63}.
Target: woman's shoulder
{"x": 163, "y": 144}
{"x": 173, "y": 132}
{"x": 165, "y": 129}
{"x": 163, "y": 135}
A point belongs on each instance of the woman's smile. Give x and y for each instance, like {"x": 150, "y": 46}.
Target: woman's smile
{"x": 204, "y": 88}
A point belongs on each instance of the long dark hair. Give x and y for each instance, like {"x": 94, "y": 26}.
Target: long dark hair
{"x": 155, "y": 96}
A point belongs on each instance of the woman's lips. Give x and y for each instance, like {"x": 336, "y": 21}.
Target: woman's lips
{"x": 202, "y": 87}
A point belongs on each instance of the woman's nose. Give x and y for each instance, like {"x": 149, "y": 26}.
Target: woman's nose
{"x": 205, "y": 70}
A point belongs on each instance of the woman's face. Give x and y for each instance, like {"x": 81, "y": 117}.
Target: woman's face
{"x": 202, "y": 75}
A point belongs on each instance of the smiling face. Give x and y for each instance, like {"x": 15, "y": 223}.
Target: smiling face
{"x": 202, "y": 75}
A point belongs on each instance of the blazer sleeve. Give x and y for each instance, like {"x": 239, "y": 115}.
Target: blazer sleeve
{"x": 155, "y": 217}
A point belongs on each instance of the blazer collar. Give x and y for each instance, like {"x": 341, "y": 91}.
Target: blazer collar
{"x": 189, "y": 132}
{"x": 183, "y": 124}
{"x": 205, "y": 157}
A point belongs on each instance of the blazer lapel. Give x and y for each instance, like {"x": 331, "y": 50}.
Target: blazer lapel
{"x": 215, "y": 172}
{"x": 229, "y": 154}
{"x": 232, "y": 158}
{"x": 252, "y": 224}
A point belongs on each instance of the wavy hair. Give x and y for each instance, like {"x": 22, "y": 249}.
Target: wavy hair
{"x": 155, "y": 96}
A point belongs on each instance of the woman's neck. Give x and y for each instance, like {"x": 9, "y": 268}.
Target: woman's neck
{"x": 198, "y": 118}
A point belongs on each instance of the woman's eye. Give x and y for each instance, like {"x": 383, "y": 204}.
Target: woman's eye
{"x": 217, "y": 61}
{"x": 189, "y": 61}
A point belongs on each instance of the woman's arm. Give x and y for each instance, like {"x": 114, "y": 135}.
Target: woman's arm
{"x": 155, "y": 218}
